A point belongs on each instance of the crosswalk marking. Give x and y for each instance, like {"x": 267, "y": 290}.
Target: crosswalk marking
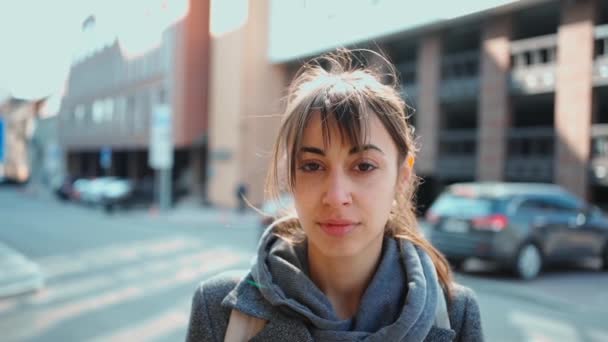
{"x": 146, "y": 268}
{"x": 151, "y": 329}
{"x": 542, "y": 329}
{"x": 111, "y": 255}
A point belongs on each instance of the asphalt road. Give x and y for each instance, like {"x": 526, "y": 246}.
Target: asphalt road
{"x": 131, "y": 276}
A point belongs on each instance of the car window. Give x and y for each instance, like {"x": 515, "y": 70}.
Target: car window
{"x": 551, "y": 204}
{"x": 563, "y": 204}
{"x": 450, "y": 204}
{"x": 533, "y": 205}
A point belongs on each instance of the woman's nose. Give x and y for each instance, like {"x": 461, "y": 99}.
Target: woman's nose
{"x": 337, "y": 190}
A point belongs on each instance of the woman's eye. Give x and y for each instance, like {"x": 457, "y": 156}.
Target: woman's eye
{"x": 365, "y": 167}
{"x": 310, "y": 167}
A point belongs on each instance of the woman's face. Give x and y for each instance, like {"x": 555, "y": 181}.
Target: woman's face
{"x": 343, "y": 194}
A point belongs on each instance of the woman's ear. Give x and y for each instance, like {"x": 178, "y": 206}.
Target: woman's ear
{"x": 405, "y": 172}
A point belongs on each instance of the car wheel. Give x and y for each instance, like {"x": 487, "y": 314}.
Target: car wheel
{"x": 108, "y": 208}
{"x": 529, "y": 261}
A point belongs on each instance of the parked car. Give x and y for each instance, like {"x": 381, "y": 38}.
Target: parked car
{"x": 522, "y": 226}
{"x": 116, "y": 193}
{"x": 80, "y": 187}
{"x": 93, "y": 191}
{"x": 65, "y": 191}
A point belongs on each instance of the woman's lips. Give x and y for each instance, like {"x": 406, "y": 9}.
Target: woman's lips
{"x": 338, "y": 228}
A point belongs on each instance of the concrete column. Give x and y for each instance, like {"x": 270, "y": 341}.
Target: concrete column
{"x": 428, "y": 111}
{"x": 573, "y": 94}
{"x": 245, "y": 94}
{"x": 494, "y": 107}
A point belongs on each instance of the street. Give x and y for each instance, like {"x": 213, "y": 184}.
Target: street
{"x": 130, "y": 276}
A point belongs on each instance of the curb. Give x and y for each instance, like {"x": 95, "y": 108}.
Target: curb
{"x": 18, "y": 274}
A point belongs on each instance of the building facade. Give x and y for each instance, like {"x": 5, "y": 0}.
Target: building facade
{"x": 112, "y": 92}
{"x": 512, "y": 91}
{"x": 516, "y": 91}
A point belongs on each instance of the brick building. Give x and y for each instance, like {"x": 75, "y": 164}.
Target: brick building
{"x": 516, "y": 91}
{"x": 112, "y": 90}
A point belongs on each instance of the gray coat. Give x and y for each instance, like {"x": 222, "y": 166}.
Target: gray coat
{"x": 209, "y": 318}
{"x": 400, "y": 303}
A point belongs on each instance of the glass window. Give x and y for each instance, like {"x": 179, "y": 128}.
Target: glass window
{"x": 552, "y": 204}
{"x": 450, "y": 204}
{"x": 162, "y": 95}
{"x": 563, "y": 204}
{"x": 109, "y": 109}
{"x": 533, "y": 205}
{"x": 98, "y": 111}
{"x": 79, "y": 114}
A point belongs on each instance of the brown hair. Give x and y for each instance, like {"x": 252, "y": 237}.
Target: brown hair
{"x": 344, "y": 89}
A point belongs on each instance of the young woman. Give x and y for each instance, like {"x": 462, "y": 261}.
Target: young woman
{"x": 350, "y": 264}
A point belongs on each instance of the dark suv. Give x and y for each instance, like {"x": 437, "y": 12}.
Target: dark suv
{"x": 519, "y": 225}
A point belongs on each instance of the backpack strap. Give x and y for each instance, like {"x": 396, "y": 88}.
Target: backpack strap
{"x": 242, "y": 327}
{"x": 442, "y": 319}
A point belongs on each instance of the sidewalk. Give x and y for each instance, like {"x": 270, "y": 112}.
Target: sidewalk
{"x": 191, "y": 212}
{"x": 18, "y": 274}
{"x": 187, "y": 210}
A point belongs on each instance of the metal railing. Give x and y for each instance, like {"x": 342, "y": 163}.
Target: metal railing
{"x": 459, "y": 76}
{"x": 600, "y": 65}
{"x": 530, "y": 154}
{"x": 407, "y": 73}
{"x": 533, "y": 63}
{"x": 457, "y": 154}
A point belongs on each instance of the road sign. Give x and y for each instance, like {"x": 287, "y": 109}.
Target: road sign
{"x": 105, "y": 158}
{"x": 161, "y": 138}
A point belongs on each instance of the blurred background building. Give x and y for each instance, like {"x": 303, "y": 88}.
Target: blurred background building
{"x": 503, "y": 90}
{"x": 115, "y": 83}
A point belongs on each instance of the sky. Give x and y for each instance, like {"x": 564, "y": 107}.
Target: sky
{"x": 36, "y": 39}
{"x": 40, "y": 38}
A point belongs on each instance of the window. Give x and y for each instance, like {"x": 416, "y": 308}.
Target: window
{"x": 563, "y": 204}
{"x": 162, "y": 95}
{"x": 79, "y": 114}
{"x": 532, "y": 205}
{"x": 98, "y": 111}
{"x": 557, "y": 204}
{"x": 108, "y": 109}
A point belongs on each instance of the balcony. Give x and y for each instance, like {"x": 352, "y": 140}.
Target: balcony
{"x": 459, "y": 76}
{"x": 530, "y": 154}
{"x": 409, "y": 87}
{"x": 533, "y": 64}
{"x": 457, "y": 154}
{"x": 600, "y": 65}
{"x": 598, "y": 163}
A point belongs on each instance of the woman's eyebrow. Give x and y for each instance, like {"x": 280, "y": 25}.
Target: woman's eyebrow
{"x": 354, "y": 150}
{"x": 362, "y": 148}
{"x": 310, "y": 149}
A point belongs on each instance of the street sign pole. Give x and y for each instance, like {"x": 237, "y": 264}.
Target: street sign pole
{"x": 161, "y": 153}
{"x": 165, "y": 189}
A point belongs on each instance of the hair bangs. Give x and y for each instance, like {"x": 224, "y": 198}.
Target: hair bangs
{"x": 340, "y": 105}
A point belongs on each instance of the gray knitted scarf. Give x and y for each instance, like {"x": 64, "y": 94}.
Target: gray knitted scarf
{"x": 399, "y": 304}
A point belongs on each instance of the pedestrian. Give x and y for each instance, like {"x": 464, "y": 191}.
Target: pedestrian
{"x": 241, "y": 195}
{"x": 351, "y": 263}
